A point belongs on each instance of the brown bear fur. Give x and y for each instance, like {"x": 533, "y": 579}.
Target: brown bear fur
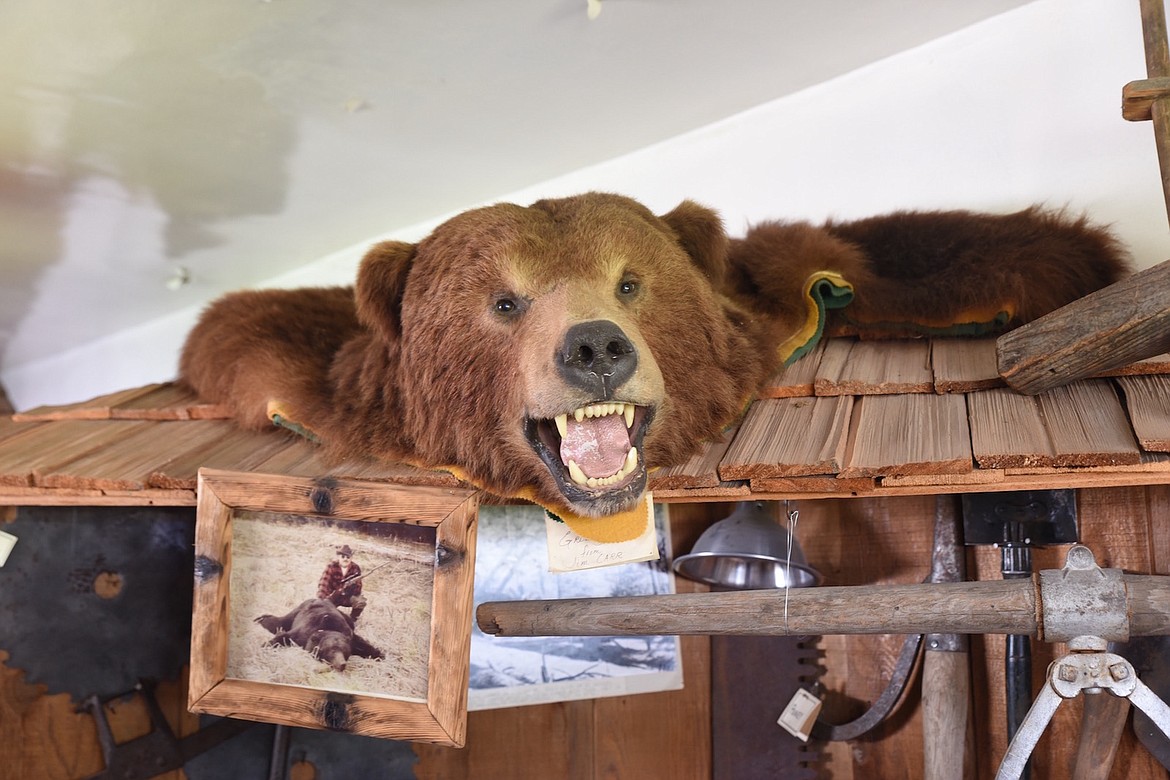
{"x": 919, "y": 272}
{"x": 456, "y": 352}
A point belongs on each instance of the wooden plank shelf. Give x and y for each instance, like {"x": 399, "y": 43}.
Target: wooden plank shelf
{"x": 851, "y": 418}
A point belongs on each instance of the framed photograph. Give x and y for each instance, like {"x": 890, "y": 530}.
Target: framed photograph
{"x": 334, "y": 604}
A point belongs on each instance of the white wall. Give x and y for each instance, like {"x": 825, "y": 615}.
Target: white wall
{"x": 1022, "y": 108}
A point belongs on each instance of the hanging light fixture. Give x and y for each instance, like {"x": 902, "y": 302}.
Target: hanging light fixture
{"x": 748, "y": 550}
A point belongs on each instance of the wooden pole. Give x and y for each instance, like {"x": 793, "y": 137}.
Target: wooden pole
{"x": 993, "y": 607}
{"x": 1158, "y": 66}
{"x": 946, "y": 671}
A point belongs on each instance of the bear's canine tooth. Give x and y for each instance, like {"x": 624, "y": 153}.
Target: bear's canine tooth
{"x": 631, "y": 462}
{"x": 576, "y": 474}
{"x": 628, "y": 412}
{"x": 562, "y": 421}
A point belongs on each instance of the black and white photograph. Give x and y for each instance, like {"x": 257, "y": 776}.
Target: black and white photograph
{"x": 337, "y": 604}
{"x": 512, "y": 671}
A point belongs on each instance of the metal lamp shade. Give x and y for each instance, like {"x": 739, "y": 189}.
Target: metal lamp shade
{"x": 748, "y": 550}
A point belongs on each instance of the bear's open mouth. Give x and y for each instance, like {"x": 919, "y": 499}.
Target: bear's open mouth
{"x": 593, "y": 450}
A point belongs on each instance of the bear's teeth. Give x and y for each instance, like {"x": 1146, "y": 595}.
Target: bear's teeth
{"x": 562, "y": 421}
{"x": 597, "y": 410}
{"x": 578, "y": 476}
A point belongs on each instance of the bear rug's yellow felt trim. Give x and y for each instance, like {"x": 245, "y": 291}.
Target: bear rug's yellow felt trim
{"x": 621, "y": 527}
{"x": 974, "y": 321}
{"x": 822, "y": 290}
{"x": 280, "y": 417}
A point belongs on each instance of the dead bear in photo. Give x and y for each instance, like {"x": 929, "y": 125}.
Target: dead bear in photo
{"x": 320, "y": 628}
{"x": 555, "y": 352}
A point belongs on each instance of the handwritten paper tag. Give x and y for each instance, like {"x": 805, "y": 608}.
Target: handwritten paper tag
{"x": 568, "y": 551}
{"x": 800, "y": 714}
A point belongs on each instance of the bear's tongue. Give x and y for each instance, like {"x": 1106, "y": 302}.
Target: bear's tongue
{"x": 598, "y": 444}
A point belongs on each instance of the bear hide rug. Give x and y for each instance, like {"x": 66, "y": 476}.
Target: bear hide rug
{"x": 559, "y": 351}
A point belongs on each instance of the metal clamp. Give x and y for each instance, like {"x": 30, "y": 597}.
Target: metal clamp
{"x": 1067, "y": 678}
{"x": 1083, "y": 600}
{"x": 1085, "y": 606}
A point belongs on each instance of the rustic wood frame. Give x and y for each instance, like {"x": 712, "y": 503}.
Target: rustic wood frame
{"x": 442, "y": 717}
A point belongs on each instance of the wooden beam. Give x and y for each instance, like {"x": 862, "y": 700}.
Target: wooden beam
{"x": 993, "y": 607}
{"x": 1122, "y": 323}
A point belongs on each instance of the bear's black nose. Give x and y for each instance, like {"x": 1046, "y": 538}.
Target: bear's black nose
{"x": 597, "y": 357}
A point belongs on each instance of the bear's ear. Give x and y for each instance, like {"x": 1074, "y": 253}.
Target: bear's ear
{"x": 701, "y": 233}
{"x": 381, "y": 281}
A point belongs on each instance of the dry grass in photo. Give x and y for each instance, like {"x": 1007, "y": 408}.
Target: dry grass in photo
{"x": 276, "y": 563}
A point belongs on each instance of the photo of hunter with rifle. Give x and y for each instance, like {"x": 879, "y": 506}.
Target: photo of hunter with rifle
{"x": 341, "y": 583}
{"x": 344, "y": 625}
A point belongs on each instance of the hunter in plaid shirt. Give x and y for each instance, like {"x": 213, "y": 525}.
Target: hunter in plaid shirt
{"x": 330, "y": 585}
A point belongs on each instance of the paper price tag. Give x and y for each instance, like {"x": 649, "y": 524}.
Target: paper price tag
{"x": 800, "y": 714}
{"x": 568, "y": 551}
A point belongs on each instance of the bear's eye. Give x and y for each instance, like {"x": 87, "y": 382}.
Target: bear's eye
{"x": 509, "y": 306}
{"x": 627, "y": 288}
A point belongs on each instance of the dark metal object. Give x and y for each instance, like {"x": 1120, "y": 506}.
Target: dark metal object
{"x": 1020, "y": 518}
{"x": 278, "y": 766}
{"x": 884, "y": 703}
{"x": 68, "y": 634}
{"x": 157, "y": 751}
{"x": 1150, "y": 656}
{"x": 752, "y": 679}
{"x": 333, "y": 756}
{"x": 1016, "y": 521}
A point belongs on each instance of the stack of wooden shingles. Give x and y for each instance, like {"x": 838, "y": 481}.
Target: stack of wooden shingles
{"x": 854, "y": 416}
{"x": 848, "y": 418}
{"x": 152, "y": 441}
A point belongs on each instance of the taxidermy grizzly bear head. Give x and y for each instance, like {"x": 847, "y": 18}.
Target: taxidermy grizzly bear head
{"x": 555, "y": 352}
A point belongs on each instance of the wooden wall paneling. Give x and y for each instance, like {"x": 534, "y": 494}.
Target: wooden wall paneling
{"x": 534, "y": 742}
{"x": 869, "y": 541}
{"x": 1157, "y": 506}
{"x": 666, "y": 734}
{"x": 46, "y": 736}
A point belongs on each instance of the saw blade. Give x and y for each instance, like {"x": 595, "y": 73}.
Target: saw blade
{"x": 94, "y": 599}
{"x": 752, "y": 680}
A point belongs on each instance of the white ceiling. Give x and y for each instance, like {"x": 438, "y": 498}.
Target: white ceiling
{"x": 227, "y": 141}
